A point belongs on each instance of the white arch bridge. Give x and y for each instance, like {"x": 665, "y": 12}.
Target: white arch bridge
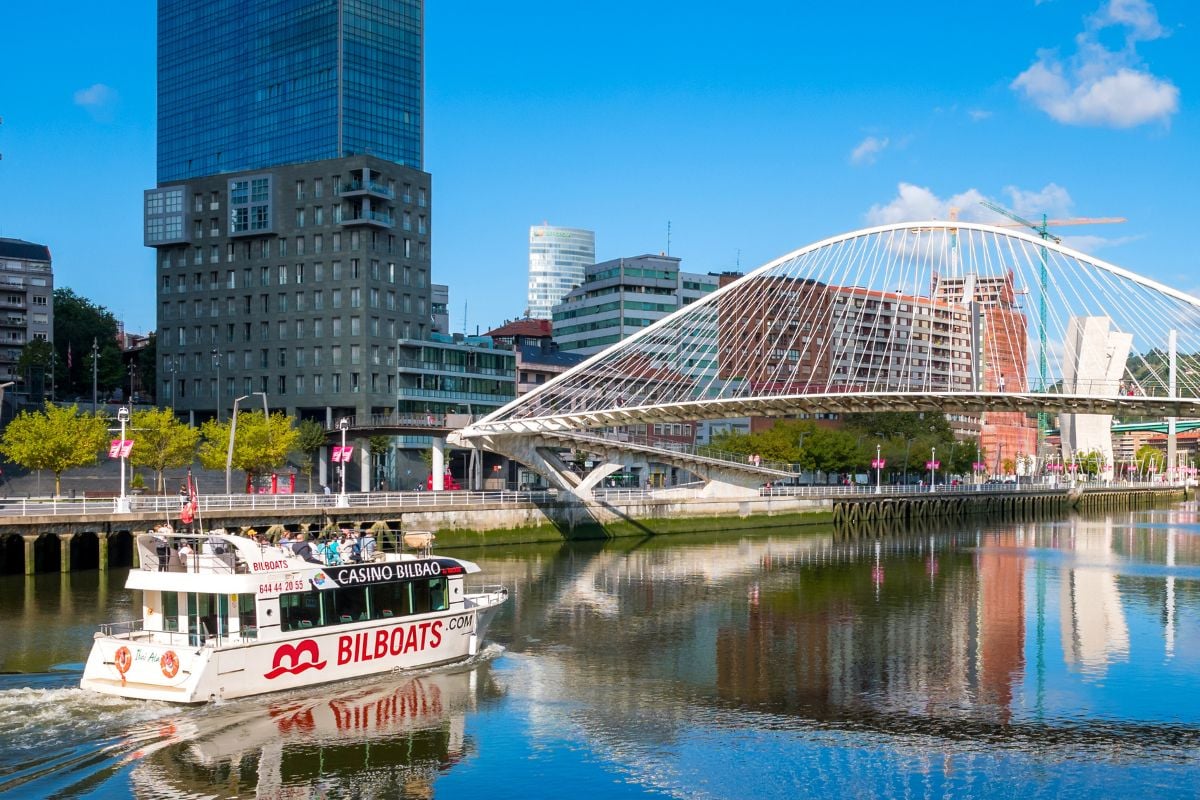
{"x": 924, "y": 316}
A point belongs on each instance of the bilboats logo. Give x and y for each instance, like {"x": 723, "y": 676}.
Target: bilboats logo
{"x": 298, "y": 658}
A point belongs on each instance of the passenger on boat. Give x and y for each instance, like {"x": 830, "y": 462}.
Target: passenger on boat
{"x": 366, "y": 546}
{"x": 302, "y": 548}
{"x": 346, "y": 549}
{"x": 332, "y": 553}
{"x": 185, "y": 550}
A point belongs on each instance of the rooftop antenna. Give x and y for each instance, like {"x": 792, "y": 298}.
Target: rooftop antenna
{"x": 738, "y": 261}
{"x": 464, "y": 316}
{"x": 668, "y": 237}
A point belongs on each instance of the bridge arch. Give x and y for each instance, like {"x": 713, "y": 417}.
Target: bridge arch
{"x": 921, "y": 316}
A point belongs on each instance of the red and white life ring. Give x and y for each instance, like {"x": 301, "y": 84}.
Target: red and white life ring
{"x": 123, "y": 660}
{"x": 169, "y": 663}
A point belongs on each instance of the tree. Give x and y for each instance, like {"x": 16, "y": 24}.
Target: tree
{"x": 259, "y": 447}
{"x": 310, "y": 438}
{"x": 1149, "y": 459}
{"x": 380, "y": 445}
{"x": 78, "y": 323}
{"x": 55, "y": 438}
{"x": 160, "y": 442}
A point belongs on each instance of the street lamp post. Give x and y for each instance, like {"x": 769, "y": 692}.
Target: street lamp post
{"x": 216, "y": 357}
{"x": 122, "y": 500}
{"x": 343, "y": 426}
{"x": 933, "y": 465}
{"x": 232, "y": 431}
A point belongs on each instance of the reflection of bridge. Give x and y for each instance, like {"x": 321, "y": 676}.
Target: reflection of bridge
{"x": 928, "y": 316}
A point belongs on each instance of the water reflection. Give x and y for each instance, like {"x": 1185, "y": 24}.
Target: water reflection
{"x": 386, "y": 739}
{"x": 1042, "y": 659}
{"x": 949, "y": 633}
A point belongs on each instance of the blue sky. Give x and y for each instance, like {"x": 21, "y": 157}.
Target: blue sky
{"x": 753, "y": 129}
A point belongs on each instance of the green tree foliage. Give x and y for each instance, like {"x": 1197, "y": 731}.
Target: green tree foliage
{"x": 147, "y": 366}
{"x": 78, "y": 322}
{"x": 55, "y": 438}
{"x": 1149, "y": 459}
{"x": 161, "y": 442}
{"x": 259, "y": 445}
{"x": 310, "y": 438}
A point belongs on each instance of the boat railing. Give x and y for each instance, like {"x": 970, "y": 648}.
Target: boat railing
{"x": 136, "y": 631}
{"x": 489, "y": 594}
{"x": 200, "y": 557}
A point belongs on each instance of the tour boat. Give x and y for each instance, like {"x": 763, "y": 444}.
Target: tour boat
{"x": 226, "y": 616}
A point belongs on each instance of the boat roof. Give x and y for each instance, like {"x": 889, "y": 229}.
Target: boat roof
{"x": 222, "y": 562}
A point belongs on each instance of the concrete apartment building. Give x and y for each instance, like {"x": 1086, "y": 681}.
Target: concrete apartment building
{"x": 291, "y": 219}
{"x": 26, "y": 303}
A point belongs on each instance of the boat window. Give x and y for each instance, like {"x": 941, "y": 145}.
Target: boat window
{"x": 429, "y": 595}
{"x": 247, "y": 618}
{"x": 345, "y": 605}
{"x": 314, "y": 609}
{"x": 208, "y": 616}
{"x": 170, "y": 611}
{"x": 299, "y": 610}
{"x": 390, "y": 600}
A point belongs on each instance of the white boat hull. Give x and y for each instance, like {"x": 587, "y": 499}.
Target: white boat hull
{"x": 139, "y": 666}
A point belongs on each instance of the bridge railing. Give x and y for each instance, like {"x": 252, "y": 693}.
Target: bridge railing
{"x": 395, "y": 421}
{"x": 691, "y": 449}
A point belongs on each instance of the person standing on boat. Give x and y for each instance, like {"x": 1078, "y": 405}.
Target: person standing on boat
{"x": 366, "y": 546}
{"x": 187, "y": 517}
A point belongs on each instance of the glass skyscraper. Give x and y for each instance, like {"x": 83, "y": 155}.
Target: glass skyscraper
{"x": 558, "y": 258}
{"x": 291, "y": 220}
{"x": 249, "y": 84}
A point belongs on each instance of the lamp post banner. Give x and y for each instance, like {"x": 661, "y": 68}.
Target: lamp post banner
{"x": 120, "y": 448}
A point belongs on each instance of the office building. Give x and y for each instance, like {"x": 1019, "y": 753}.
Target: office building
{"x": 26, "y": 304}
{"x": 618, "y": 298}
{"x": 291, "y": 220}
{"x": 557, "y": 260}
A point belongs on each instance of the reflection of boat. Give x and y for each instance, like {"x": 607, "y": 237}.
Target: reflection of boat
{"x": 239, "y": 617}
{"x": 381, "y": 735}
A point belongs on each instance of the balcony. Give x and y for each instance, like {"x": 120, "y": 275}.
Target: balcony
{"x": 367, "y": 189}
{"x": 377, "y": 219}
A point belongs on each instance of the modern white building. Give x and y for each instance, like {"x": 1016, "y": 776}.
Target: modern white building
{"x": 1093, "y": 364}
{"x": 558, "y": 258}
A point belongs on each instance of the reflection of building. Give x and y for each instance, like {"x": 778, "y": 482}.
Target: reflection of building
{"x": 1092, "y": 623}
{"x": 557, "y": 260}
{"x": 1093, "y": 364}
{"x": 999, "y": 339}
{"x": 1001, "y": 569}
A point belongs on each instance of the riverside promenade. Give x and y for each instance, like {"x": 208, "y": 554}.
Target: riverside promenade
{"x": 45, "y": 535}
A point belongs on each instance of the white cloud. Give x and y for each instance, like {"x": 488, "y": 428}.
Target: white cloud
{"x": 978, "y": 114}
{"x": 868, "y": 150}
{"x": 1098, "y": 86}
{"x": 1052, "y": 200}
{"x": 914, "y": 203}
{"x": 98, "y": 99}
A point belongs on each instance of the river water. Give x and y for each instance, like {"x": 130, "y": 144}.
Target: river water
{"x": 1049, "y": 659}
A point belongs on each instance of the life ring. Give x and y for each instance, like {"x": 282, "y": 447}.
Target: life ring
{"x": 169, "y": 663}
{"x": 123, "y": 660}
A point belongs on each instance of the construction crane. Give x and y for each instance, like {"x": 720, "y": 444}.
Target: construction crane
{"x": 1043, "y": 230}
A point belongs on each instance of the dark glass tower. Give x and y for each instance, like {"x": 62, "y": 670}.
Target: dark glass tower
{"x": 291, "y": 220}
{"x": 251, "y": 84}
